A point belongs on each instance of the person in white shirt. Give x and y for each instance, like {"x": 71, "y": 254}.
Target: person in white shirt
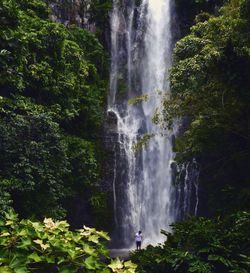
{"x": 138, "y": 240}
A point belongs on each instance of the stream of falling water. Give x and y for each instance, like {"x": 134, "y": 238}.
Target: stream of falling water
{"x": 141, "y": 49}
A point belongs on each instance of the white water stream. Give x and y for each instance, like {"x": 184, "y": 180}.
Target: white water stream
{"x": 141, "y": 49}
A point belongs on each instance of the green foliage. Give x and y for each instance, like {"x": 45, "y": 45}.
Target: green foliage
{"x": 142, "y": 142}
{"x": 138, "y": 99}
{"x": 53, "y": 87}
{"x": 50, "y": 63}
{"x": 34, "y": 161}
{"x": 200, "y": 245}
{"x": 209, "y": 80}
{"x": 35, "y": 7}
{"x": 100, "y": 10}
{"x": 27, "y": 246}
{"x": 83, "y": 162}
{"x": 83, "y": 181}
{"x": 210, "y": 91}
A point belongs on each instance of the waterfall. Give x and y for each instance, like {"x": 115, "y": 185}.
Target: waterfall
{"x": 157, "y": 155}
{"x": 141, "y": 49}
{"x": 186, "y": 198}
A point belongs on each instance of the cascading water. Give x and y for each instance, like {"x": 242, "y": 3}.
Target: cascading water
{"x": 156, "y": 198}
{"x": 186, "y": 199}
{"x": 141, "y": 49}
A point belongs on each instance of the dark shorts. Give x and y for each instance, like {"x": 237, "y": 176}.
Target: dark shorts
{"x": 138, "y": 244}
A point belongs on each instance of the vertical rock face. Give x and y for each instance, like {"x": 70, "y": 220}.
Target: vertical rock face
{"x": 72, "y": 12}
{"x": 91, "y": 15}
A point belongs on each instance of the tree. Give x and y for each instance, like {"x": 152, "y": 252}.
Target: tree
{"x": 33, "y": 162}
{"x": 209, "y": 79}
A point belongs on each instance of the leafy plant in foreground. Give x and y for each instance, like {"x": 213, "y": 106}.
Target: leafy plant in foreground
{"x": 49, "y": 246}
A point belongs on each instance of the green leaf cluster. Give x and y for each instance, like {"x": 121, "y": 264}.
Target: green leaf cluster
{"x": 49, "y": 246}
{"x": 55, "y": 65}
{"x": 142, "y": 142}
{"x": 138, "y": 99}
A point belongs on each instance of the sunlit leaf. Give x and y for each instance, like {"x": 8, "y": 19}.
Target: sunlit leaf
{"x": 90, "y": 263}
{"x": 115, "y": 265}
{"x": 34, "y": 257}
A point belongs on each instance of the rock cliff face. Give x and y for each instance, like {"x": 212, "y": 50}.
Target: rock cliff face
{"x": 93, "y": 15}
{"x": 72, "y": 12}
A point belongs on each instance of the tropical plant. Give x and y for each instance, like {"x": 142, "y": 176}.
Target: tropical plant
{"x": 49, "y": 246}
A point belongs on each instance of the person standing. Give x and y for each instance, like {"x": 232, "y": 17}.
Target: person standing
{"x": 138, "y": 240}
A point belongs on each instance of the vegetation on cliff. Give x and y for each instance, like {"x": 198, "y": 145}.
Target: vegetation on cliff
{"x": 210, "y": 88}
{"x": 53, "y": 94}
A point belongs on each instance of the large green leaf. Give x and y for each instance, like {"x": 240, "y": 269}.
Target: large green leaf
{"x": 21, "y": 270}
{"x": 17, "y": 261}
{"x": 94, "y": 239}
{"x": 90, "y": 263}
{"x": 116, "y": 265}
{"x": 69, "y": 269}
{"x": 34, "y": 257}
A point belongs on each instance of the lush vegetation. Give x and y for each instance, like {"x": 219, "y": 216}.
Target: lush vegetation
{"x": 52, "y": 97}
{"x": 210, "y": 88}
{"x": 53, "y": 92}
{"x": 49, "y": 246}
{"x": 201, "y": 245}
